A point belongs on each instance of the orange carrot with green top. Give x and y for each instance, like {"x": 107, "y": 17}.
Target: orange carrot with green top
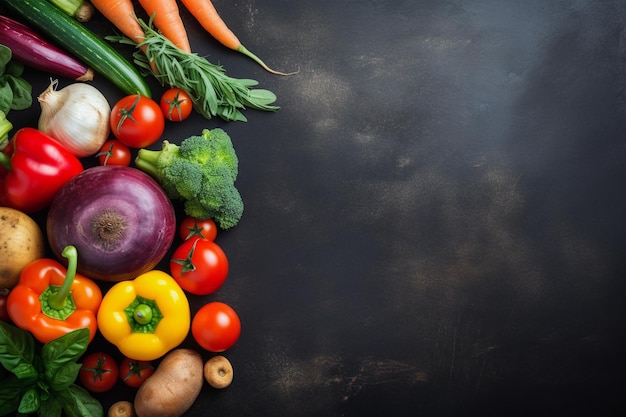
{"x": 166, "y": 18}
{"x": 208, "y": 17}
{"x": 121, "y": 13}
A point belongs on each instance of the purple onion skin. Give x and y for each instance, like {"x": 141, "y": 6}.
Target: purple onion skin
{"x": 36, "y": 52}
{"x": 119, "y": 219}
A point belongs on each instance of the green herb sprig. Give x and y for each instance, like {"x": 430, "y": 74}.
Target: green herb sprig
{"x": 213, "y": 92}
{"x": 40, "y": 379}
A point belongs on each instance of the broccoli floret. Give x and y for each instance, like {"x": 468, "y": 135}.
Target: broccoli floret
{"x": 219, "y": 151}
{"x": 201, "y": 172}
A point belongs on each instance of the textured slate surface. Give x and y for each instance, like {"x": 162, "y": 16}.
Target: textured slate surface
{"x": 434, "y": 219}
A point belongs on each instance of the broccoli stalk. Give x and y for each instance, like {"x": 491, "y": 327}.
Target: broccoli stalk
{"x": 201, "y": 172}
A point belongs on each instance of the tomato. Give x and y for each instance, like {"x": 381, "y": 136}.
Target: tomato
{"x": 137, "y": 121}
{"x": 216, "y": 326}
{"x": 176, "y": 104}
{"x": 133, "y": 372}
{"x": 192, "y": 227}
{"x": 199, "y": 266}
{"x": 114, "y": 152}
{"x": 99, "y": 372}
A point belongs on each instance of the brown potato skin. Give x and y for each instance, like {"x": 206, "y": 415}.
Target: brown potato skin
{"x": 174, "y": 386}
{"x": 21, "y": 242}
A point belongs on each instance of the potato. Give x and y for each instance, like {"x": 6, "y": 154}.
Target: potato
{"x": 173, "y": 387}
{"x": 21, "y": 242}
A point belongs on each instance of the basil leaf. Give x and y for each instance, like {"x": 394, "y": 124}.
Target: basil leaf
{"x": 79, "y": 403}
{"x": 52, "y": 407}
{"x": 17, "y": 351}
{"x": 64, "y": 377}
{"x": 61, "y": 352}
{"x": 10, "y": 395}
{"x": 30, "y": 402}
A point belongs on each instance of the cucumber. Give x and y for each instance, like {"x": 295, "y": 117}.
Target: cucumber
{"x": 76, "y": 39}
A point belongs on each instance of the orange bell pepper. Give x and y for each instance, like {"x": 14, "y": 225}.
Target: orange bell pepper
{"x": 50, "y": 300}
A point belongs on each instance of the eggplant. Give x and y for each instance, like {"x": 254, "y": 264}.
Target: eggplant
{"x": 31, "y": 49}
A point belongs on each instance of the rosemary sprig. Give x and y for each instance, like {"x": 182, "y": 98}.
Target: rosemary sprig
{"x": 213, "y": 92}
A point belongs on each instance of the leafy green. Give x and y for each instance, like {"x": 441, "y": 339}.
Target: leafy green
{"x": 15, "y": 91}
{"x": 213, "y": 92}
{"x": 41, "y": 379}
{"x": 17, "y": 352}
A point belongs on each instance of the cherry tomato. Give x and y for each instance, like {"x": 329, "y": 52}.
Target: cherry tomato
{"x": 192, "y": 227}
{"x": 199, "y": 266}
{"x": 176, "y": 104}
{"x": 99, "y": 372}
{"x": 133, "y": 372}
{"x": 216, "y": 327}
{"x": 114, "y": 152}
{"x": 4, "y": 315}
{"x": 137, "y": 121}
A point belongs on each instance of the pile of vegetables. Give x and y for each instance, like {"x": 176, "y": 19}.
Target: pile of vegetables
{"x": 110, "y": 219}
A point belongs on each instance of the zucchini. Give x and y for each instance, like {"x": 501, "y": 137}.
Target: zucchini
{"x": 76, "y": 39}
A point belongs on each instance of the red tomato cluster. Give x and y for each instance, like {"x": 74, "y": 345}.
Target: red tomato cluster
{"x": 138, "y": 121}
{"x": 100, "y": 372}
{"x": 200, "y": 267}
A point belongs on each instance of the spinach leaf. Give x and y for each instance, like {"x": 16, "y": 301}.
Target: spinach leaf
{"x": 22, "y": 93}
{"x": 14, "y": 68}
{"x": 5, "y": 57}
{"x": 15, "y": 91}
{"x": 6, "y": 97}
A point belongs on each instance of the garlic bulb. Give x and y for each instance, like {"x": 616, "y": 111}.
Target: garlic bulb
{"x": 77, "y": 116}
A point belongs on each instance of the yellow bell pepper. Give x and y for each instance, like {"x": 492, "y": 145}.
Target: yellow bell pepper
{"x": 145, "y": 317}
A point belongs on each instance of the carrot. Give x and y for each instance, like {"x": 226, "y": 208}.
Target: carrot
{"x": 208, "y": 17}
{"x": 167, "y": 19}
{"x": 122, "y": 14}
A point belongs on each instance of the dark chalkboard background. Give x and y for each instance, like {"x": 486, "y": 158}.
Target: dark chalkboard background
{"x": 434, "y": 219}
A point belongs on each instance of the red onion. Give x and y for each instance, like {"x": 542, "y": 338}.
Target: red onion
{"x": 119, "y": 218}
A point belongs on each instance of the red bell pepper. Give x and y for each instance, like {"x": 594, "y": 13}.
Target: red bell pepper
{"x": 37, "y": 169}
{"x": 50, "y": 300}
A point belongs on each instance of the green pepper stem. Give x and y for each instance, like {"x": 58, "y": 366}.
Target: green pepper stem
{"x": 58, "y": 299}
{"x": 143, "y": 314}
